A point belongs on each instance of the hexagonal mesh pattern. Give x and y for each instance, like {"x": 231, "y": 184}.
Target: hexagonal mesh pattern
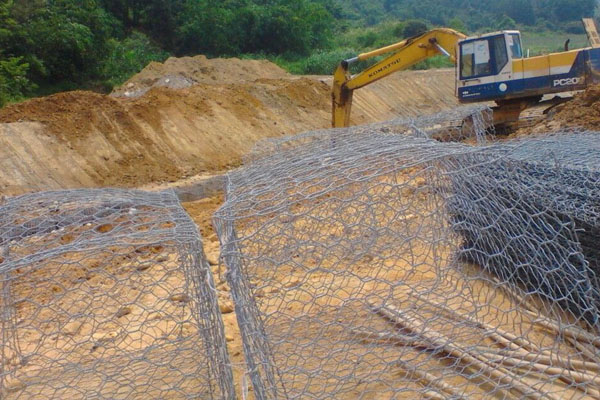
{"x": 471, "y": 123}
{"x": 106, "y": 294}
{"x": 373, "y": 265}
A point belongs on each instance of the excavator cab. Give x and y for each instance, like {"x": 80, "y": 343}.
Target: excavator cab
{"x": 491, "y": 67}
{"x": 485, "y": 66}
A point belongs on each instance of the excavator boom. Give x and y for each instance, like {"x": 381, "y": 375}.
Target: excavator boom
{"x": 491, "y": 67}
{"x": 404, "y": 55}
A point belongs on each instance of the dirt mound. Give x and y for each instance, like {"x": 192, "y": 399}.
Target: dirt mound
{"x": 179, "y": 73}
{"x": 68, "y": 115}
{"x": 111, "y": 147}
{"x": 82, "y": 139}
{"x": 581, "y": 112}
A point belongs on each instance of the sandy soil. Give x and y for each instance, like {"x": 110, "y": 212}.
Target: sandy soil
{"x": 184, "y": 118}
{"x": 202, "y": 212}
{"x": 327, "y": 321}
{"x": 119, "y": 322}
{"x": 203, "y": 120}
{"x": 179, "y": 73}
{"x": 316, "y": 284}
{"x": 583, "y": 112}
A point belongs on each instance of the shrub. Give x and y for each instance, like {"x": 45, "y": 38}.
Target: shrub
{"x": 457, "y": 24}
{"x": 14, "y": 84}
{"x": 368, "y": 39}
{"x": 399, "y": 30}
{"x": 414, "y": 28}
{"x": 325, "y": 62}
{"x": 575, "y": 28}
{"x": 505, "y": 23}
{"x": 434, "y": 62}
{"x": 128, "y": 57}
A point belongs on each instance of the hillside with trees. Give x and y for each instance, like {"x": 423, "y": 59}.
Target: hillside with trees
{"x": 52, "y": 45}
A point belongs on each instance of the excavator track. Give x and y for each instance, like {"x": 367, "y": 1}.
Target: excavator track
{"x": 532, "y": 115}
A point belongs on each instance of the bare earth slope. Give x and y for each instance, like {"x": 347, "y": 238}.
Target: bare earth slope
{"x": 583, "y": 112}
{"x": 203, "y": 120}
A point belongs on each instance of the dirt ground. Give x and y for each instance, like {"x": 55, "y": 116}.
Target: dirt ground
{"x": 327, "y": 321}
{"x": 179, "y": 73}
{"x": 121, "y": 313}
{"x": 583, "y": 112}
{"x": 86, "y": 139}
{"x": 203, "y": 120}
{"x": 172, "y": 122}
{"x": 127, "y": 313}
{"x": 117, "y": 319}
{"x": 202, "y": 212}
{"x": 195, "y": 116}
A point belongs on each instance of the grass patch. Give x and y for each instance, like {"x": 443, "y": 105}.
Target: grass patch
{"x": 540, "y": 43}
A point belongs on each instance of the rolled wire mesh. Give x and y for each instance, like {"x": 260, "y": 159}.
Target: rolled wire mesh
{"x": 467, "y": 123}
{"x": 106, "y": 294}
{"x": 541, "y": 209}
{"x": 369, "y": 265}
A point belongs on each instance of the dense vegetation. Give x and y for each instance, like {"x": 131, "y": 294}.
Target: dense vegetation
{"x": 51, "y": 45}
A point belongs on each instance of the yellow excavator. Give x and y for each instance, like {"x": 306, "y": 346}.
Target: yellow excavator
{"x": 489, "y": 67}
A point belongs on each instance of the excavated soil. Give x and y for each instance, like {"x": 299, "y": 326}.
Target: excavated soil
{"x": 583, "y": 112}
{"x": 82, "y": 139}
{"x": 202, "y": 121}
{"x": 164, "y": 134}
{"x": 179, "y": 73}
{"x": 94, "y": 140}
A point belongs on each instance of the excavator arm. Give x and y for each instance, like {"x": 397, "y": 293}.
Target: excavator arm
{"x": 405, "y": 54}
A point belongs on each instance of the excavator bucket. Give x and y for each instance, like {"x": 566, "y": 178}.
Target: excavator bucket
{"x": 592, "y": 32}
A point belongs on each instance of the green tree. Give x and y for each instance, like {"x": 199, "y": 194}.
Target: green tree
{"x": 62, "y": 39}
{"x": 457, "y": 24}
{"x": 7, "y": 23}
{"x": 84, "y": 42}
{"x": 520, "y": 11}
{"x": 128, "y": 57}
{"x": 205, "y": 27}
{"x": 571, "y": 10}
{"x": 414, "y": 28}
{"x": 506, "y": 22}
{"x": 14, "y": 84}
{"x": 160, "y": 18}
{"x": 294, "y": 26}
{"x": 277, "y": 27}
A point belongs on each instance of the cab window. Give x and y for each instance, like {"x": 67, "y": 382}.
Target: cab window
{"x": 514, "y": 44}
{"x": 500, "y": 53}
{"x": 475, "y": 59}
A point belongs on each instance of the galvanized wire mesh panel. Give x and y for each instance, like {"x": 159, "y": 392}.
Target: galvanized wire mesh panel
{"x": 539, "y": 223}
{"x": 369, "y": 265}
{"x": 106, "y": 294}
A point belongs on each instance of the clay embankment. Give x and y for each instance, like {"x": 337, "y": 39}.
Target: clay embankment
{"x": 185, "y": 117}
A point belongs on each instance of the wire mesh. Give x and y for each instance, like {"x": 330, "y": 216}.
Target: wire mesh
{"x": 369, "y": 265}
{"x": 473, "y": 124}
{"x": 106, "y": 294}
